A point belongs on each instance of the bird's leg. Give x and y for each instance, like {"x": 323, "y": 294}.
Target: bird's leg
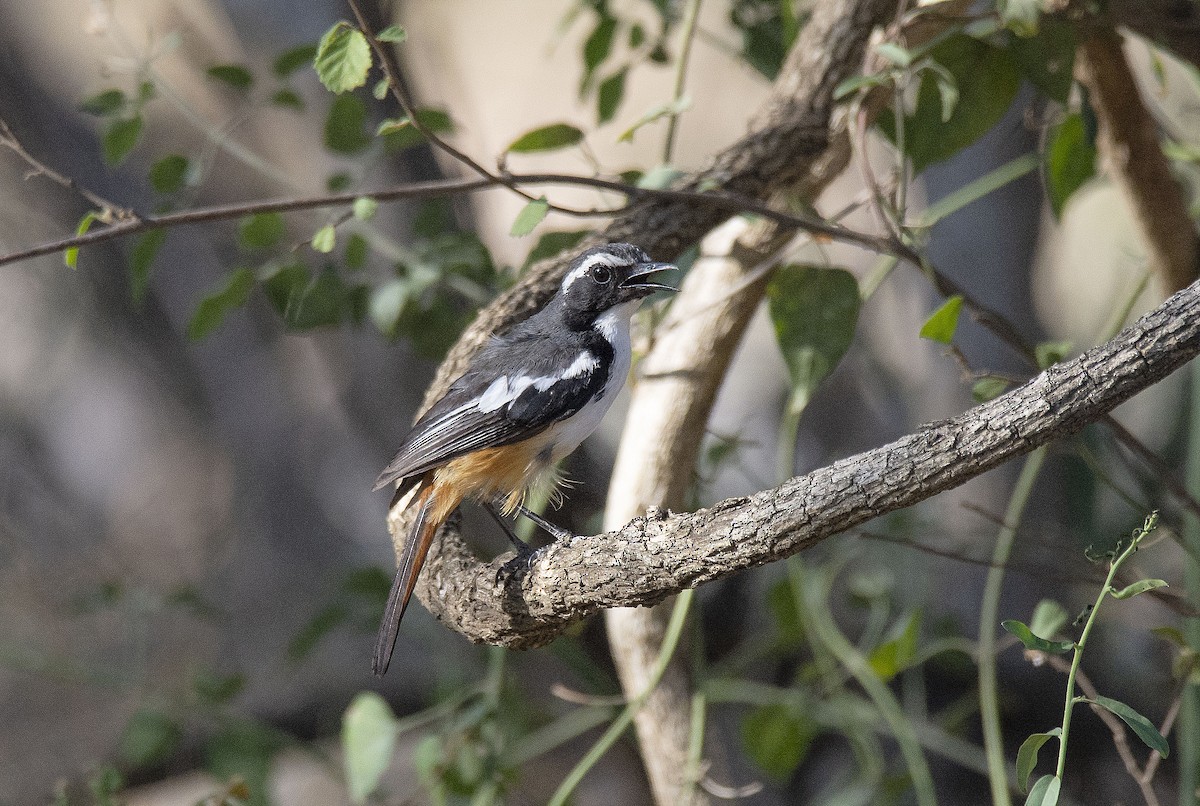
{"x": 557, "y": 532}
{"x": 520, "y": 545}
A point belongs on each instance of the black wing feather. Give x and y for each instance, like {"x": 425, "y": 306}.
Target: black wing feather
{"x": 455, "y": 426}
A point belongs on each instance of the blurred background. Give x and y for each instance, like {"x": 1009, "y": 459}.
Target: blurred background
{"x": 192, "y": 562}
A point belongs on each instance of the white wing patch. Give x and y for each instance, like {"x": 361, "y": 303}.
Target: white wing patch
{"x": 505, "y": 390}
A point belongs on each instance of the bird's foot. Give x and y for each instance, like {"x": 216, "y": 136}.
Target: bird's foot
{"x": 521, "y": 562}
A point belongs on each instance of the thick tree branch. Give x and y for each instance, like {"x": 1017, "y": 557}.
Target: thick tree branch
{"x": 658, "y": 555}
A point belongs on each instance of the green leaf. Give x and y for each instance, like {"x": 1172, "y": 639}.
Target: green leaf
{"x": 1140, "y": 725}
{"x": 343, "y": 58}
{"x": 1048, "y": 353}
{"x": 217, "y": 689}
{"x": 213, "y": 309}
{"x": 120, "y": 138}
{"x": 1070, "y": 161}
{"x": 364, "y": 208}
{"x": 103, "y": 104}
{"x": 1047, "y": 60}
{"x": 1048, "y": 618}
{"x": 260, "y": 231}
{"x": 943, "y": 323}
{"x": 1028, "y": 754}
{"x": 659, "y": 177}
{"x": 901, "y": 57}
{"x": 659, "y": 112}
{"x": 288, "y": 99}
{"x": 386, "y": 306}
{"x": 596, "y": 49}
{"x": 986, "y": 79}
{"x": 609, "y": 95}
{"x": 380, "y": 90}
{"x": 392, "y": 33}
{"x": 552, "y": 243}
{"x": 853, "y": 84}
{"x": 1141, "y": 586}
{"x": 368, "y": 742}
{"x": 1032, "y": 641}
{"x": 1020, "y": 16}
{"x": 530, "y": 216}
{"x": 292, "y": 60}
{"x": 321, "y": 303}
{"x": 777, "y": 739}
{"x": 986, "y": 389}
{"x": 897, "y": 654}
{"x": 324, "y": 239}
{"x": 308, "y": 636}
{"x": 283, "y": 286}
{"x": 1172, "y": 634}
{"x": 1044, "y": 792}
{"x": 547, "y": 138}
{"x": 399, "y": 134}
{"x": 346, "y": 125}
{"x": 356, "y": 251}
{"x": 169, "y": 174}
{"x": 781, "y": 601}
{"x": 235, "y": 75}
{"x": 71, "y": 254}
{"x": 150, "y": 737}
{"x": 814, "y": 311}
{"x": 244, "y": 750}
{"x": 141, "y": 260}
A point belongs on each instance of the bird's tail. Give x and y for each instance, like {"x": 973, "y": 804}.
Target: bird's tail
{"x": 420, "y": 536}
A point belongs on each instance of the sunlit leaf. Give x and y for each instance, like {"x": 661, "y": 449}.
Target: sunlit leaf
{"x": 1020, "y": 16}
{"x": 364, "y": 208}
{"x": 530, "y": 216}
{"x": 897, "y": 653}
{"x": 1048, "y": 353}
{"x": 324, "y": 239}
{"x": 71, "y": 254}
{"x": 343, "y": 58}
{"x": 260, "y": 231}
{"x": 942, "y": 323}
{"x": 368, "y": 743}
{"x": 1141, "y": 586}
{"x": 1048, "y": 618}
{"x": 986, "y": 389}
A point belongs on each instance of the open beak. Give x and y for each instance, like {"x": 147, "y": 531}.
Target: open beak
{"x": 642, "y": 280}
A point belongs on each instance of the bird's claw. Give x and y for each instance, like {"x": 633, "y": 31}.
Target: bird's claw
{"x": 523, "y": 559}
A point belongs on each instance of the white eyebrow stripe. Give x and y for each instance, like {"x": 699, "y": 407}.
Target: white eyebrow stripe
{"x": 583, "y": 268}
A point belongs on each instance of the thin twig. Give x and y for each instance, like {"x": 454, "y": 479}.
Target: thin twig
{"x": 732, "y": 202}
{"x": 109, "y": 212}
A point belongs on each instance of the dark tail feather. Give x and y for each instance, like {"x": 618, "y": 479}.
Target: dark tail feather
{"x": 419, "y": 539}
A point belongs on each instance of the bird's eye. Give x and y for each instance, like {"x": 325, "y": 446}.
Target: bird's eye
{"x": 602, "y": 275}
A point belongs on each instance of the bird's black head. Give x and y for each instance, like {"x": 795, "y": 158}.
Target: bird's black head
{"x": 606, "y": 276}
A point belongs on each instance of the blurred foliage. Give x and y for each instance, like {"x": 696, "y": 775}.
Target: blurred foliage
{"x": 839, "y": 636}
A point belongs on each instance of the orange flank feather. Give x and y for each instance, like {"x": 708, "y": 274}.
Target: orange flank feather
{"x": 489, "y": 474}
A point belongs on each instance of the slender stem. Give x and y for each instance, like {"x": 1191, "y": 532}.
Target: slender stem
{"x": 695, "y": 756}
{"x": 989, "y": 698}
{"x": 1081, "y": 644}
{"x": 818, "y": 623}
{"x": 625, "y": 718}
{"x": 789, "y": 432}
{"x": 685, "y": 52}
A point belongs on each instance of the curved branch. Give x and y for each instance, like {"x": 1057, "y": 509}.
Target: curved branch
{"x": 655, "y": 556}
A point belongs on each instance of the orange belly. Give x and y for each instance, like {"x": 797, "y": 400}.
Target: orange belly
{"x": 507, "y": 473}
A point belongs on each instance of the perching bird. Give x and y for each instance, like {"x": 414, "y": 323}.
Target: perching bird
{"x": 526, "y": 400}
